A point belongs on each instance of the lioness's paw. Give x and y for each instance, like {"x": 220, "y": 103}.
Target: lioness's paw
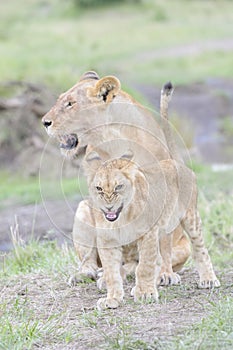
{"x": 101, "y": 283}
{"x": 99, "y": 272}
{"x": 106, "y": 303}
{"x": 169, "y": 279}
{"x": 81, "y": 278}
{"x": 209, "y": 283}
{"x": 145, "y": 295}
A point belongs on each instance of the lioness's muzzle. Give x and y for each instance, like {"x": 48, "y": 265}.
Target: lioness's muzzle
{"x": 68, "y": 142}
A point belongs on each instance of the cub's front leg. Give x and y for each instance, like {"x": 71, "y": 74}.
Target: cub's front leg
{"x": 148, "y": 269}
{"x": 111, "y": 259}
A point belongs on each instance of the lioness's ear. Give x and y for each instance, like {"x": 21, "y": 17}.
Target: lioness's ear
{"x": 105, "y": 89}
{"x": 89, "y": 75}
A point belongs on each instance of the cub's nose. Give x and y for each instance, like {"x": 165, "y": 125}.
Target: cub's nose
{"x": 108, "y": 207}
{"x": 46, "y": 123}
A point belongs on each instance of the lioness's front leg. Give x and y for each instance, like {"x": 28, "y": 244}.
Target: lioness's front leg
{"x": 148, "y": 269}
{"x": 167, "y": 276}
{"x": 175, "y": 250}
{"x": 111, "y": 259}
{"x": 84, "y": 238}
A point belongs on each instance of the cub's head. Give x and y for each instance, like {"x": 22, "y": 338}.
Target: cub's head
{"x": 78, "y": 108}
{"x": 112, "y": 183}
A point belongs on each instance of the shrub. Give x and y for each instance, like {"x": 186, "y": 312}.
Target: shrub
{"x": 94, "y": 3}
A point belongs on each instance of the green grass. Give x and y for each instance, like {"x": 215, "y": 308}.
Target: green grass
{"x": 214, "y": 332}
{"x": 55, "y": 41}
{"x": 26, "y": 322}
{"x": 22, "y": 326}
{"x": 226, "y": 126}
{"x": 15, "y": 189}
{"x": 36, "y": 257}
{"x": 215, "y": 204}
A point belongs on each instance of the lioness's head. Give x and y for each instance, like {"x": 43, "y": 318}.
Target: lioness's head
{"x": 113, "y": 184}
{"x": 75, "y": 111}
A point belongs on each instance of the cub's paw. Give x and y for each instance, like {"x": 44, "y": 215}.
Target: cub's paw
{"x": 209, "y": 283}
{"x": 107, "y": 303}
{"x": 145, "y": 295}
{"x": 169, "y": 279}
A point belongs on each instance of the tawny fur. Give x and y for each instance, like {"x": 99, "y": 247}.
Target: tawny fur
{"x": 153, "y": 201}
{"x": 99, "y": 112}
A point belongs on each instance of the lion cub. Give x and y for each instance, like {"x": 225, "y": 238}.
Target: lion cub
{"x": 133, "y": 205}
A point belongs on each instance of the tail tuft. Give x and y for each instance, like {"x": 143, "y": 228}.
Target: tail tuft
{"x": 166, "y": 94}
{"x": 168, "y": 88}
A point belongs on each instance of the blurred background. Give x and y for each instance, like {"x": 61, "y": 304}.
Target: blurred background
{"x": 46, "y": 45}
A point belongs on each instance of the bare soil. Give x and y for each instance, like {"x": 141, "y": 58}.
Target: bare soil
{"x": 179, "y": 308}
{"x": 52, "y": 220}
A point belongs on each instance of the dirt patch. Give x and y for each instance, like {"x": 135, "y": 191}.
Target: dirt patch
{"x": 179, "y": 308}
{"x": 51, "y": 220}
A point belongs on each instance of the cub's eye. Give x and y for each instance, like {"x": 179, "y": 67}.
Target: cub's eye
{"x": 118, "y": 187}
{"x": 99, "y": 188}
{"x": 69, "y": 104}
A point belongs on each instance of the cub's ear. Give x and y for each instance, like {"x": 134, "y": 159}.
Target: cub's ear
{"x": 128, "y": 155}
{"x": 93, "y": 160}
{"x": 92, "y": 156}
{"x": 105, "y": 89}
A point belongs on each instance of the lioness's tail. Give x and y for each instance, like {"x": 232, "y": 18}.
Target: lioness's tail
{"x": 166, "y": 94}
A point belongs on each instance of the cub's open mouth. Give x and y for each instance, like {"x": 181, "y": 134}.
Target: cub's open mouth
{"x": 113, "y": 215}
{"x": 69, "y": 141}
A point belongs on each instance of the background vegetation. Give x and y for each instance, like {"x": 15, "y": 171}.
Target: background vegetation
{"x": 55, "y": 41}
{"x": 147, "y": 41}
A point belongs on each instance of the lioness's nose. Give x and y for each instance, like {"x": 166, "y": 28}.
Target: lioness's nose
{"x": 46, "y": 123}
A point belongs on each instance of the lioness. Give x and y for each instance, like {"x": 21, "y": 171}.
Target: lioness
{"x": 96, "y": 112}
{"x": 129, "y": 205}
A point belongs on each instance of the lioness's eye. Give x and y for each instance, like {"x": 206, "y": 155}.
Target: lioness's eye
{"x": 69, "y": 104}
{"x": 118, "y": 187}
{"x": 99, "y": 188}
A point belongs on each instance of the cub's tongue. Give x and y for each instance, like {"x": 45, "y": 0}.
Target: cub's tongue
{"x": 111, "y": 215}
